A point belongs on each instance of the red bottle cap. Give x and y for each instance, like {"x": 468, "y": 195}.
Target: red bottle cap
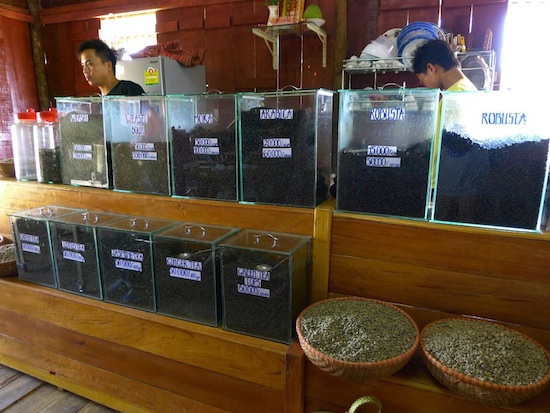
{"x": 47, "y": 116}
{"x": 29, "y": 114}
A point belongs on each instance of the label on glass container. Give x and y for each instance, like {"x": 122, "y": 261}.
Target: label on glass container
{"x": 270, "y": 114}
{"x": 144, "y": 151}
{"x": 79, "y": 118}
{"x": 252, "y": 282}
{"x": 83, "y": 152}
{"x": 127, "y": 260}
{"x": 30, "y": 243}
{"x": 203, "y": 118}
{"x": 381, "y": 150}
{"x": 206, "y": 146}
{"x": 276, "y": 148}
{"x": 186, "y": 269}
{"x": 383, "y": 162}
{"x": 387, "y": 114}
{"x": 72, "y": 251}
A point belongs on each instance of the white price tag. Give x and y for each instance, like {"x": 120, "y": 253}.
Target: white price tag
{"x": 383, "y": 162}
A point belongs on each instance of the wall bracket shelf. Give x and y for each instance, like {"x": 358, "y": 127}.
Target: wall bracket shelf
{"x": 272, "y": 35}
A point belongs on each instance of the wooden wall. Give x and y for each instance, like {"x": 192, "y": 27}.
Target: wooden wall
{"x": 235, "y": 59}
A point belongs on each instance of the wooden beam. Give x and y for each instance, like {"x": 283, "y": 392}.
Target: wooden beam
{"x": 98, "y": 8}
{"x": 38, "y": 56}
{"x": 15, "y": 13}
{"x": 341, "y": 41}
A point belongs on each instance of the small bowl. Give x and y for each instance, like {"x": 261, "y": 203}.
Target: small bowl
{"x": 318, "y": 22}
{"x": 388, "y": 43}
{"x": 376, "y": 50}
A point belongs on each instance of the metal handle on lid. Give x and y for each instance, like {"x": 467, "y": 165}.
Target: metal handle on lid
{"x": 258, "y": 236}
{"x": 48, "y": 209}
{"x": 134, "y": 221}
{"x": 86, "y": 217}
{"x": 189, "y": 228}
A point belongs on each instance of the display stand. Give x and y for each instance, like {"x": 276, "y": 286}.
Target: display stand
{"x": 478, "y": 66}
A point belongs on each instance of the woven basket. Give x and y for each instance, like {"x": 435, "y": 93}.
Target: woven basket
{"x": 7, "y": 168}
{"x": 357, "y": 371}
{"x": 7, "y": 268}
{"x": 482, "y": 391}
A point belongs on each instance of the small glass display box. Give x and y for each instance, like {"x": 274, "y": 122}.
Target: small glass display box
{"x": 75, "y": 251}
{"x": 139, "y": 138}
{"x": 85, "y": 151}
{"x": 203, "y": 137}
{"x": 493, "y": 160}
{"x": 286, "y": 141}
{"x": 265, "y": 279}
{"x": 384, "y": 151}
{"x": 126, "y": 261}
{"x": 187, "y": 271}
{"x": 33, "y": 249}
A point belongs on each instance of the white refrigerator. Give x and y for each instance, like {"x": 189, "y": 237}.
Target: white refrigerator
{"x": 161, "y": 75}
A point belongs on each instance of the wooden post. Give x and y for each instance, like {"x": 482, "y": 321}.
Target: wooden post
{"x": 38, "y": 56}
{"x": 341, "y": 41}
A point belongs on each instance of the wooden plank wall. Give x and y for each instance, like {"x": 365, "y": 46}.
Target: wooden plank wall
{"x": 235, "y": 59}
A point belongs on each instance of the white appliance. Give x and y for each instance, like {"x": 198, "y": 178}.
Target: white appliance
{"x": 161, "y": 75}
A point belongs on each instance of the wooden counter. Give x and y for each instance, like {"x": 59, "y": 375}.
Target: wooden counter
{"x": 136, "y": 361}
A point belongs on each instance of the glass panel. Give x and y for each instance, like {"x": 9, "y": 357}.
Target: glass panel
{"x": 84, "y": 149}
{"x": 285, "y": 147}
{"x": 139, "y": 144}
{"x": 493, "y": 162}
{"x": 203, "y": 146}
{"x": 384, "y": 151}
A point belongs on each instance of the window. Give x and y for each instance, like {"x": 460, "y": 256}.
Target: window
{"x": 129, "y": 31}
{"x": 525, "y": 29}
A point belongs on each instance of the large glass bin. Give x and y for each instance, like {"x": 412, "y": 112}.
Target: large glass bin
{"x": 126, "y": 261}
{"x": 139, "y": 144}
{"x": 493, "y": 160}
{"x": 384, "y": 151}
{"x": 75, "y": 251}
{"x": 286, "y": 142}
{"x": 33, "y": 247}
{"x": 85, "y": 148}
{"x": 203, "y": 133}
{"x": 187, "y": 271}
{"x": 265, "y": 280}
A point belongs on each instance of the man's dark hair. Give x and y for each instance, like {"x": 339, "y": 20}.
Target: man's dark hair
{"x": 102, "y": 50}
{"x": 436, "y": 52}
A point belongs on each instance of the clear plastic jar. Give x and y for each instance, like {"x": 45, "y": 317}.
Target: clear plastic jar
{"x": 47, "y": 143}
{"x": 23, "y": 145}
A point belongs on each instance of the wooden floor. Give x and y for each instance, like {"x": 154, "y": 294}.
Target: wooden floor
{"x": 20, "y": 393}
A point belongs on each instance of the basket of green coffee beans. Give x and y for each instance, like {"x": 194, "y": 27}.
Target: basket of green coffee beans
{"x": 485, "y": 361}
{"x": 357, "y": 338}
{"x": 8, "y": 266}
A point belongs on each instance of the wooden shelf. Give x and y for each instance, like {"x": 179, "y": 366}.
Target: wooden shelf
{"x": 140, "y": 362}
